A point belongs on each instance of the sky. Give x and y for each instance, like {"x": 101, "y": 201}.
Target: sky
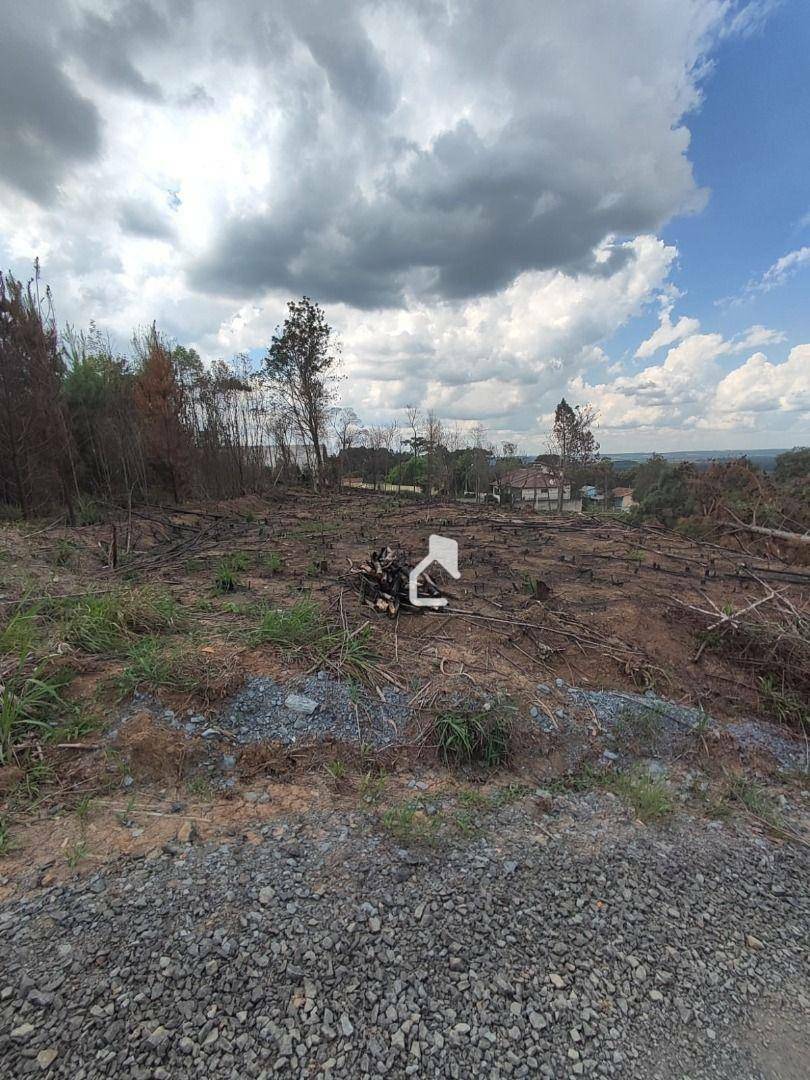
{"x": 497, "y": 205}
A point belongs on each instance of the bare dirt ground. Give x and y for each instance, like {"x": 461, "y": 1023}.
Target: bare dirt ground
{"x": 548, "y": 614}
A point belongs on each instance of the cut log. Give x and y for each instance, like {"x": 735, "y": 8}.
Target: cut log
{"x": 778, "y": 534}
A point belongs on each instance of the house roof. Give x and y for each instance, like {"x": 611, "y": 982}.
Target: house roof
{"x": 536, "y": 477}
{"x": 620, "y": 493}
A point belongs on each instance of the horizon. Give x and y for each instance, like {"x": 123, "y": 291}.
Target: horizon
{"x": 626, "y": 223}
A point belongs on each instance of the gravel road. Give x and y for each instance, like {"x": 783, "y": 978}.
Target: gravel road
{"x": 570, "y": 943}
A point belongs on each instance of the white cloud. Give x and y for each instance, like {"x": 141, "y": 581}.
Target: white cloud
{"x": 667, "y": 332}
{"x": 472, "y": 190}
{"x": 760, "y": 386}
{"x": 755, "y": 337}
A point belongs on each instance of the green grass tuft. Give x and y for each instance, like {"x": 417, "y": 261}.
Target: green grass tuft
{"x": 20, "y": 633}
{"x": 108, "y": 622}
{"x": 649, "y": 798}
{"x": 465, "y": 736}
{"x": 31, "y": 703}
{"x": 291, "y": 628}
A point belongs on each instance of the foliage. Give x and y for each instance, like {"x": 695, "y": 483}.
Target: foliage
{"x": 649, "y": 798}
{"x": 302, "y": 624}
{"x": 465, "y": 736}
{"x": 107, "y": 622}
{"x": 793, "y": 465}
{"x": 37, "y": 454}
{"x": 572, "y": 442}
{"x": 300, "y": 364}
{"x": 180, "y": 667}
{"x": 31, "y": 702}
{"x": 226, "y": 577}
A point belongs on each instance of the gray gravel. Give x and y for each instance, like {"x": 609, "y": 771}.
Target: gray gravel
{"x": 619, "y": 713}
{"x": 258, "y": 712}
{"x": 565, "y": 944}
{"x": 313, "y": 707}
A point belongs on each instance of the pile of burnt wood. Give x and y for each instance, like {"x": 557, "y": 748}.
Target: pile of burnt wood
{"x": 383, "y": 577}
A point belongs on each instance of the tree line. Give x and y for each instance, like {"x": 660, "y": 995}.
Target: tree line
{"x": 82, "y": 423}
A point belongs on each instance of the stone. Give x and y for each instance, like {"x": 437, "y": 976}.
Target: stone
{"x": 46, "y": 1058}
{"x": 299, "y": 703}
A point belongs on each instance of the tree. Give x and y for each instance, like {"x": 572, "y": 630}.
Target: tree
{"x": 346, "y": 429}
{"x": 36, "y": 449}
{"x": 301, "y": 365}
{"x": 572, "y": 441}
{"x": 793, "y": 465}
{"x": 433, "y": 439}
{"x": 160, "y": 400}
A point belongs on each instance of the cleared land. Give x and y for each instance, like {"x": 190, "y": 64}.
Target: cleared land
{"x": 606, "y": 726}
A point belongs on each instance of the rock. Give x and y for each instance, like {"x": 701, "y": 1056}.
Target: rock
{"x": 187, "y": 832}
{"x": 23, "y": 1032}
{"x": 754, "y": 942}
{"x": 300, "y": 704}
{"x": 556, "y": 980}
{"x": 266, "y": 895}
{"x": 46, "y": 1058}
{"x": 346, "y": 1025}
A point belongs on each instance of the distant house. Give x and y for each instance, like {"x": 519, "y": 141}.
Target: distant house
{"x": 590, "y": 491}
{"x": 622, "y": 498}
{"x": 534, "y": 486}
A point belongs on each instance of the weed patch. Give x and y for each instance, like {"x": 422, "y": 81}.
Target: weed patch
{"x": 483, "y": 736}
{"x": 649, "y": 798}
{"x": 108, "y": 622}
{"x": 31, "y": 704}
{"x": 206, "y": 673}
{"x": 303, "y": 627}
{"x": 409, "y": 824}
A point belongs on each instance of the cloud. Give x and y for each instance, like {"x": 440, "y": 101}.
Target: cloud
{"x": 46, "y": 125}
{"x": 689, "y": 393}
{"x": 777, "y": 274}
{"x": 757, "y": 336}
{"x": 760, "y": 386}
{"x": 784, "y": 268}
{"x": 666, "y": 332}
{"x": 102, "y": 42}
{"x": 140, "y": 218}
{"x": 510, "y": 145}
{"x": 472, "y": 190}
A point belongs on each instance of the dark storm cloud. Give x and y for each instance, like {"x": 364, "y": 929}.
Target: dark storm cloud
{"x": 341, "y": 48}
{"x": 103, "y": 43}
{"x": 469, "y": 215}
{"x": 139, "y": 218}
{"x": 45, "y": 124}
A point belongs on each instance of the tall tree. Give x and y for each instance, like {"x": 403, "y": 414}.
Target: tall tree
{"x": 301, "y": 365}
{"x": 36, "y": 448}
{"x": 572, "y": 441}
{"x": 160, "y": 399}
{"x": 345, "y": 425}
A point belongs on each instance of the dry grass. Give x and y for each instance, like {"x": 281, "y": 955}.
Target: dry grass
{"x": 156, "y": 753}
